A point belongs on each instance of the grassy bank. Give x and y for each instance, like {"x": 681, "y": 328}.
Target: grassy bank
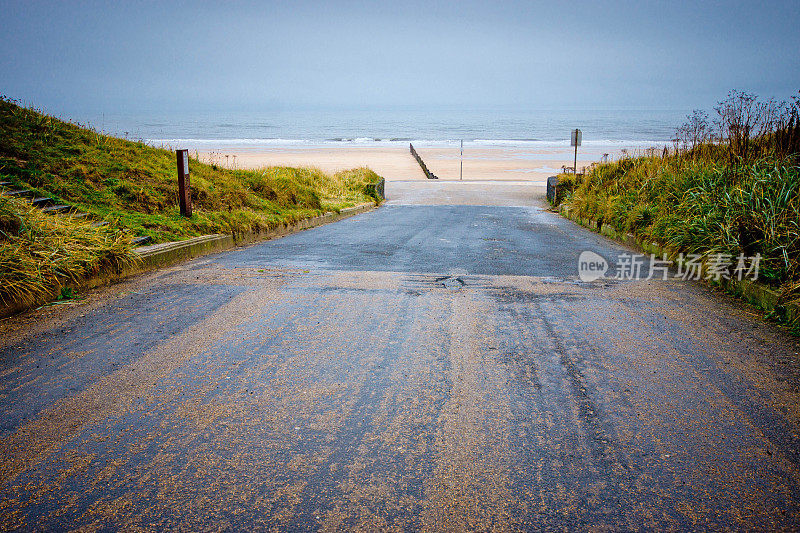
{"x": 40, "y": 254}
{"x": 708, "y": 197}
{"x": 132, "y": 187}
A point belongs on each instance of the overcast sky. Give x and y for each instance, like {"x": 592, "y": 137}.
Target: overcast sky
{"x": 150, "y": 56}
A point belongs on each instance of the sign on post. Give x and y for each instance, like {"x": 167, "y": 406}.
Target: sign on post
{"x": 576, "y": 137}
{"x": 575, "y": 141}
{"x": 184, "y": 192}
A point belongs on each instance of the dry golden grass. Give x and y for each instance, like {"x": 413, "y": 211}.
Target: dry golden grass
{"x": 40, "y": 254}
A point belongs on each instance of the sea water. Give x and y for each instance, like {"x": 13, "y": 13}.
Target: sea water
{"x": 636, "y": 128}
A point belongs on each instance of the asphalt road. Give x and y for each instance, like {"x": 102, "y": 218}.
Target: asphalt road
{"x": 433, "y": 364}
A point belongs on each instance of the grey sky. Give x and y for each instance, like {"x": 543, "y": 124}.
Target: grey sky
{"x": 236, "y": 55}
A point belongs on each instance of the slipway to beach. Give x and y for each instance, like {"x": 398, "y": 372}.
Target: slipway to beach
{"x": 432, "y": 364}
{"x": 399, "y": 266}
{"x": 478, "y": 160}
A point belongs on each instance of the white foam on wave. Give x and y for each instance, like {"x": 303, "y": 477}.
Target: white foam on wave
{"x": 369, "y": 141}
{"x": 358, "y": 141}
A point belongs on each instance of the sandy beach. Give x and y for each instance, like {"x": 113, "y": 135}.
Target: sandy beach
{"x": 394, "y": 162}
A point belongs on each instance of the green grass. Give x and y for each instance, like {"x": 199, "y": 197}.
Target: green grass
{"x": 704, "y": 205}
{"x": 133, "y": 187}
{"x": 731, "y": 187}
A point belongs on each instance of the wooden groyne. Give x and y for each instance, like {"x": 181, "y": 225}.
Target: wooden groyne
{"x": 430, "y": 175}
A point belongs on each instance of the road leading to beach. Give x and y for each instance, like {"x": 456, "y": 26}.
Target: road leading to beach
{"x": 433, "y": 364}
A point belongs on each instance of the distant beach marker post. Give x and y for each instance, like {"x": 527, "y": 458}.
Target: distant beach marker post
{"x": 461, "y": 172}
{"x": 575, "y": 141}
{"x": 184, "y": 193}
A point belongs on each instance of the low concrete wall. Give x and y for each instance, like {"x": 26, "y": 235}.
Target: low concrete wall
{"x": 753, "y": 292}
{"x": 379, "y": 189}
{"x": 552, "y": 188}
{"x": 157, "y": 255}
{"x": 169, "y": 253}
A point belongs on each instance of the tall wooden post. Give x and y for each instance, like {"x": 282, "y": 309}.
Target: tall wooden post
{"x": 575, "y": 140}
{"x": 184, "y": 192}
{"x": 575, "y": 161}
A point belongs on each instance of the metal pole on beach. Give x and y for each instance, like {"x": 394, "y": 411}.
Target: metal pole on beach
{"x": 461, "y": 172}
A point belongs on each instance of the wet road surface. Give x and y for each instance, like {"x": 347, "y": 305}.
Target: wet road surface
{"x": 433, "y": 364}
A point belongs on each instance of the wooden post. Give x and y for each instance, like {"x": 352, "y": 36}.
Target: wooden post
{"x": 184, "y": 191}
{"x": 575, "y": 162}
{"x": 575, "y": 141}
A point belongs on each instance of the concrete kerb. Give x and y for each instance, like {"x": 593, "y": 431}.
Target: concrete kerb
{"x": 753, "y": 292}
{"x": 165, "y": 254}
{"x": 169, "y": 253}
